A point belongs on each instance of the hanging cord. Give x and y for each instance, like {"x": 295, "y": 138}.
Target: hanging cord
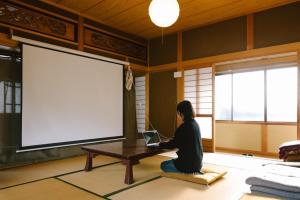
{"x": 153, "y": 128}
{"x": 162, "y": 35}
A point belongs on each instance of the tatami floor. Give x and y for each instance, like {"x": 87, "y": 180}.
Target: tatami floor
{"x": 66, "y": 179}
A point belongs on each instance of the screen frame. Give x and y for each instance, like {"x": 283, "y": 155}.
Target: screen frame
{"x": 21, "y": 148}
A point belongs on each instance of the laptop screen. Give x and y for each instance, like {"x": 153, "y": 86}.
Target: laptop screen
{"x": 151, "y": 137}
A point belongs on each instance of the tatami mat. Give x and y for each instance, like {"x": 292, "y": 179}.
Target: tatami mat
{"x": 237, "y": 161}
{"x": 230, "y": 160}
{"x": 231, "y": 187}
{"x": 49, "y": 189}
{"x": 257, "y": 197}
{"x": 72, "y": 182}
{"x": 110, "y": 178}
{"x": 19, "y": 175}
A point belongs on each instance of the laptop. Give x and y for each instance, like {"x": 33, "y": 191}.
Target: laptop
{"x": 151, "y": 138}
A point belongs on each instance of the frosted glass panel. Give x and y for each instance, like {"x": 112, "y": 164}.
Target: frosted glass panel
{"x": 282, "y": 94}
{"x": 190, "y": 72}
{"x": 205, "y": 99}
{"x": 192, "y": 100}
{"x": 205, "y": 105}
{"x": 190, "y": 94}
{"x": 204, "y": 111}
{"x": 190, "y": 78}
{"x": 190, "y": 83}
{"x": 248, "y": 96}
{"x": 205, "y": 88}
{"x": 205, "y": 76}
{"x": 205, "y": 82}
{"x": 205, "y": 70}
{"x": 8, "y": 97}
{"x": 223, "y": 97}
{"x": 205, "y": 124}
{"x": 205, "y": 94}
{"x": 18, "y": 94}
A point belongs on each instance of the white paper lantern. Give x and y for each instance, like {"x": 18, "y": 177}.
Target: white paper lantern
{"x": 164, "y": 13}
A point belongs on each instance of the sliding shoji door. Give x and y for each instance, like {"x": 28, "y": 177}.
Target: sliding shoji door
{"x": 199, "y": 90}
{"x": 140, "y": 92}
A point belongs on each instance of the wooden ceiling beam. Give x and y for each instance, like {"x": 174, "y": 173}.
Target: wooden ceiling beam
{"x": 132, "y": 16}
{"x": 92, "y": 6}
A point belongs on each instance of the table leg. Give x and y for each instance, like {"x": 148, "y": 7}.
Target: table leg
{"x": 129, "y": 171}
{"x": 89, "y": 162}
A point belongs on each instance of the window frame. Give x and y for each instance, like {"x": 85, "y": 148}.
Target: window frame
{"x": 265, "y": 121}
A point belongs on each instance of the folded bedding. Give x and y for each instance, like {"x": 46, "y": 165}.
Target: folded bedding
{"x": 275, "y": 182}
{"x": 288, "y": 148}
{"x": 278, "y": 180}
{"x": 275, "y": 192}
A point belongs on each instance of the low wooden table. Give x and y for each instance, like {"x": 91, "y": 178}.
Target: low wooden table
{"x": 130, "y": 152}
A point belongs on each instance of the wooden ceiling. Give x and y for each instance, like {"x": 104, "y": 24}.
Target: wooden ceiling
{"x": 131, "y": 16}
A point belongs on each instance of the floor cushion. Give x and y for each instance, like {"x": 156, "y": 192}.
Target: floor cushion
{"x": 209, "y": 176}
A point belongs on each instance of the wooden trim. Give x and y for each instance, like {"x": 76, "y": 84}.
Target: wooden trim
{"x": 250, "y": 32}
{"x": 147, "y": 98}
{"x": 213, "y": 110}
{"x": 257, "y": 64}
{"x": 113, "y": 34}
{"x": 6, "y": 41}
{"x": 298, "y": 106}
{"x": 180, "y": 80}
{"x": 18, "y": 2}
{"x": 264, "y": 138}
{"x": 209, "y": 61}
{"x": 179, "y": 47}
{"x": 148, "y": 54}
{"x": 241, "y": 151}
{"x": 204, "y": 115}
{"x": 80, "y": 33}
{"x": 138, "y": 68}
{"x": 111, "y": 52}
{"x": 256, "y": 122}
{"x": 163, "y": 68}
{"x": 39, "y": 34}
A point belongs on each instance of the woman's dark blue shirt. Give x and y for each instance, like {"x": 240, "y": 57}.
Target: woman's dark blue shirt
{"x": 188, "y": 141}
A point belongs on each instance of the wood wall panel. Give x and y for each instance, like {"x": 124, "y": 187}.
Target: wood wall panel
{"x": 224, "y": 37}
{"x": 277, "y": 26}
{"x": 163, "y": 50}
{"x": 18, "y": 16}
{"x": 162, "y": 102}
{"x": 104, "y": 41}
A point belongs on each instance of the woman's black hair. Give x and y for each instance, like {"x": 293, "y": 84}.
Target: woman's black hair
{"x": 186, "y": 109}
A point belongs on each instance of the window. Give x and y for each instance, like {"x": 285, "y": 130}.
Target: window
{"x": 247, "y": 96}
{"x": 223, "y": 97}
{"x": 282, "y": 95}
{"x": 10, "y": 97}
{"x": 140, "y": 88}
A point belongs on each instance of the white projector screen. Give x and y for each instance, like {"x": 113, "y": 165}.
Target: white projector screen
{"x": 69, "y": 98}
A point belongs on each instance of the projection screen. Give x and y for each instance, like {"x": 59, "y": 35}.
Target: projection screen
{"x": 69, "y": 98}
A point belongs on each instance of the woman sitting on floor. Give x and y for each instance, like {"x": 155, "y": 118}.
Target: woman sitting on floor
{"x": 187, "y": 140}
